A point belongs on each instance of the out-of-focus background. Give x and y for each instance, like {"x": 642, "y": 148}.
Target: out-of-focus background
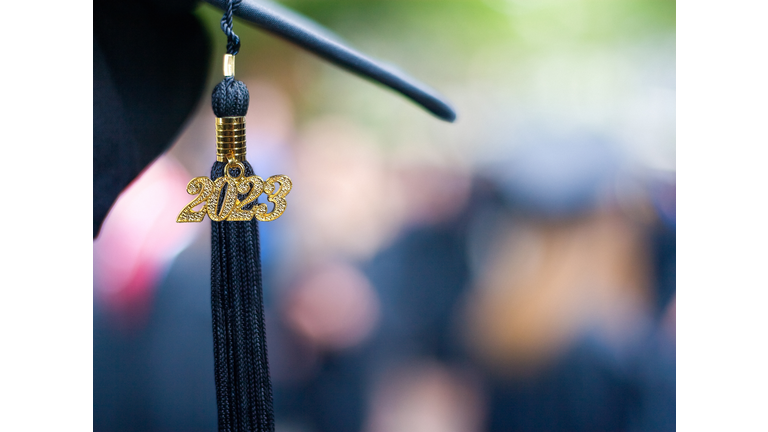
{"x": 513, "y": 271}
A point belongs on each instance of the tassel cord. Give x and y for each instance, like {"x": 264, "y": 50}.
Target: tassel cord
{"x": 233, "y": 41}
{"x": 218, "y": 306}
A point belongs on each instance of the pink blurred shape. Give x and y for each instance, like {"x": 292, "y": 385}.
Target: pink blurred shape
{"x": 139, "y": 240}
{"x": 333, "y": 307}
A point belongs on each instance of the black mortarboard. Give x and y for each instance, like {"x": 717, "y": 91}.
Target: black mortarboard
{"x": 150, "y": 64}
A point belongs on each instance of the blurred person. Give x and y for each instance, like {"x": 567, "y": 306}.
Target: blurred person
{"x": 136, "y": 247}
{"x": 360, "y": 209}
{"x": 562, "y": 317}
{"x": 151, "y": 312}
{"x": 322, "y": 319}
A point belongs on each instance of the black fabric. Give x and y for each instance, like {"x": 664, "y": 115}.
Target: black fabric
{"x": 243, "y": 388}
{"x": 150, "y": 60}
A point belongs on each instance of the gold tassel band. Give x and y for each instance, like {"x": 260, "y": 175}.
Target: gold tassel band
{"x": 230, "y": 139}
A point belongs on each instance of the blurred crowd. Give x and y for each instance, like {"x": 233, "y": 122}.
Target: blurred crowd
{"x": 514, "y": 271}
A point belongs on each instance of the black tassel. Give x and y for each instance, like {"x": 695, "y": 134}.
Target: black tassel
{"x": 241, "y": 369}
{"x": 243, "y": 388}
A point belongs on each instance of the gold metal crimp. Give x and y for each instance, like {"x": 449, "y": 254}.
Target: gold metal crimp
{"x": 229, "y": 65}
{"x": 230, "y": 138}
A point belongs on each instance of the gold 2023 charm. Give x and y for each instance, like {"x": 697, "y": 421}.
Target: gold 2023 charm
{"x": 232, "y": 209}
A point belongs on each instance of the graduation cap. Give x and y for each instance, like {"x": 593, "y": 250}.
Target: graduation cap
{"x": 150, "y": 66}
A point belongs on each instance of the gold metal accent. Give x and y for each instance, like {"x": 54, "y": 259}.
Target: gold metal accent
{"x": 229, "y": 65}
{"x": 276, "y": 196}
{"x": 230, "y": 139}
{"x": 232, "y": 209}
